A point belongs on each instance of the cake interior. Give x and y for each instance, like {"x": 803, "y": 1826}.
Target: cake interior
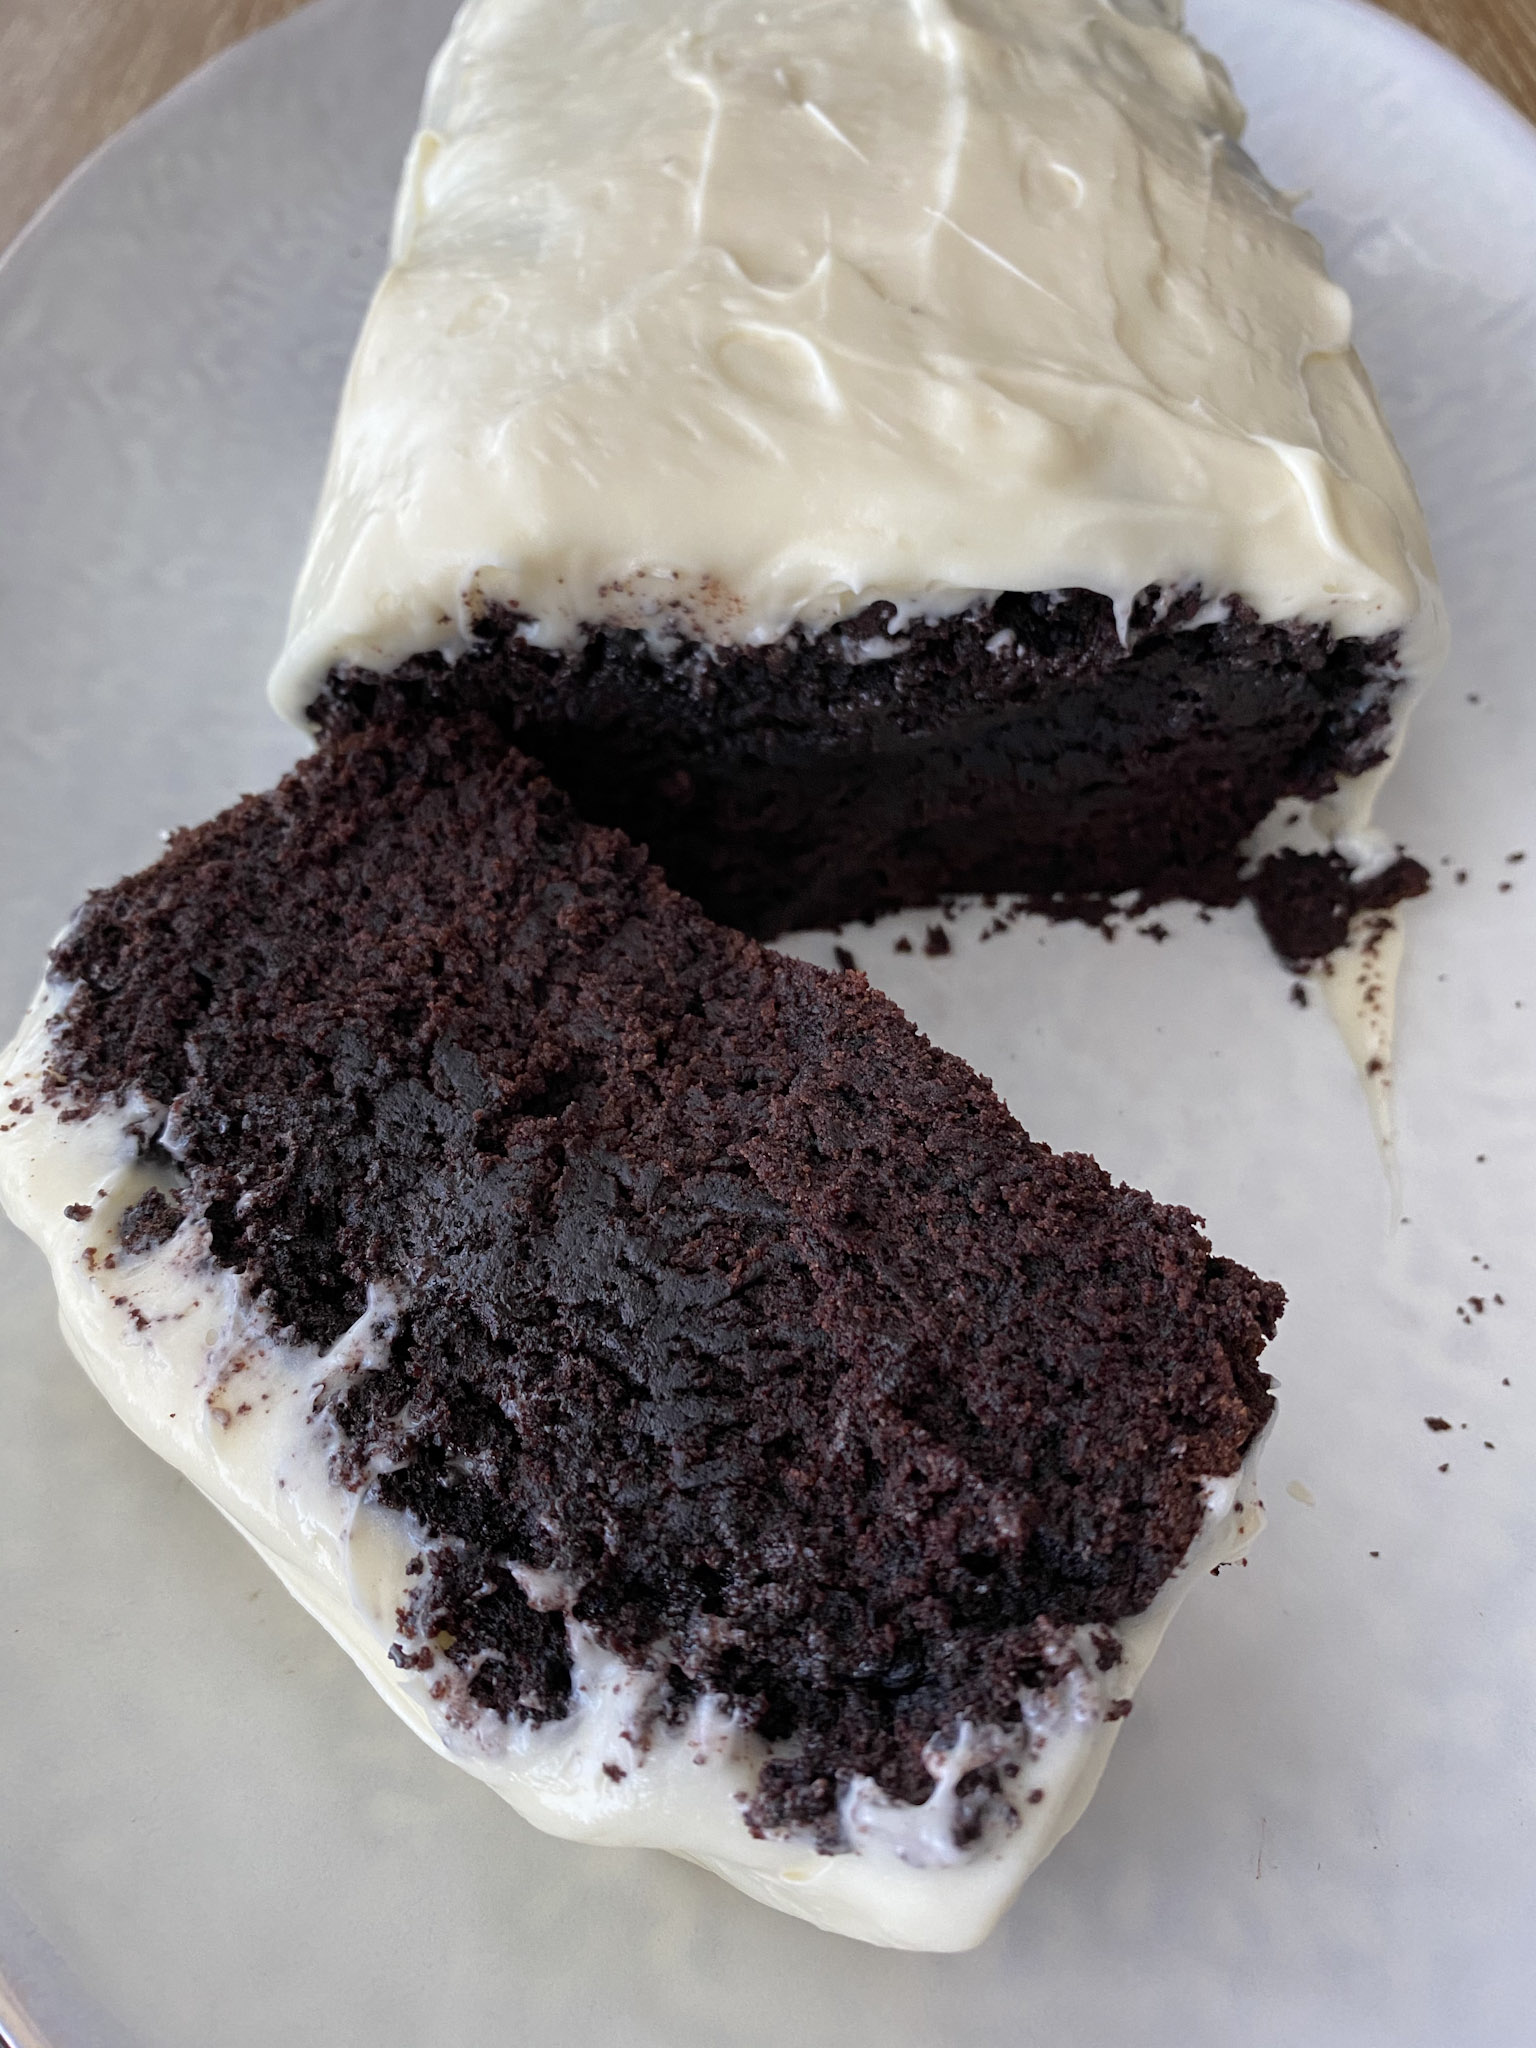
{"x": 731, "y": 1320}
{"x": 1026, "y": 745}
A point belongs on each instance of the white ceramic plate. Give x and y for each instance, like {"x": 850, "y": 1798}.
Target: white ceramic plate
{"x": 1318, "y": 1825}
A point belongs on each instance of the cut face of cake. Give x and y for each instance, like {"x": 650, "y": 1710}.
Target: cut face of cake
{"x": 868, "y": 451}
{"x": 693, "y": 1400}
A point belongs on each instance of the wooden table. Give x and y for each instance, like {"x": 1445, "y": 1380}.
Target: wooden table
{"x": 73, "y": 71}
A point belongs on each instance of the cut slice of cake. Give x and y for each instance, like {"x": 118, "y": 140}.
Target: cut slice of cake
{"x": 688, "y": 1394}
{"x": 868, "y": 451}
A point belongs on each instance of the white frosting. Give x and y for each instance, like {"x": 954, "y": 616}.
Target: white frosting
{"x": 196, "y": 1372}
{"x": 720, "y": 317}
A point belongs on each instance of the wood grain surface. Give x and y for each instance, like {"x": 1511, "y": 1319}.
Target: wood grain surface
{"x": 73, "y": 71}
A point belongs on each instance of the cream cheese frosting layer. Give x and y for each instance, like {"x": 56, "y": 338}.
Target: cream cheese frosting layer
{"x": 721, "y": 318}
{"x": 197, "y": 1371}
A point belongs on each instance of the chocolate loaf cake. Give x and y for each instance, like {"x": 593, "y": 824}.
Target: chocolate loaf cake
{"x": 689, "y": 1394}
{"x": 870, "y": 453}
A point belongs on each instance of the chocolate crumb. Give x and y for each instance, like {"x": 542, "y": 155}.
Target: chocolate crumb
{"x": 1036, "y": 1796}
{"x": 844, "y": 959}
{"x": 936, "y": 943}
{"x": 1306, "y": 901}
{"x": 152, "y": 1219}
{"x": 1436, "y": 1422}
{"x": 1442, "y": 1468}
{"x": 902, "y": 945}
{"x": 1108, "y": 1650}
{"x": 1299, "y": 994}
{"x": 79, "y": 1212}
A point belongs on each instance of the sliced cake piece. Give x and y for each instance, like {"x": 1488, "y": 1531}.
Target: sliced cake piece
{"x": 687, "y": 1393}
{"x": 869, "y": 450}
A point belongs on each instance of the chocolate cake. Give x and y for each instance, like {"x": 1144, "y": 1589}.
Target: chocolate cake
{"x": 672, "y": 1301}
{"x": 869, "y": 456}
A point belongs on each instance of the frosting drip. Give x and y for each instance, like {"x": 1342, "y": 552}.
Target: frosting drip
{"x": 721, "y": 319}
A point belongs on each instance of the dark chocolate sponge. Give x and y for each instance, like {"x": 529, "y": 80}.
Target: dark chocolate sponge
{"x": 722, "y": 1291}
{"x": 1023, "y": 748}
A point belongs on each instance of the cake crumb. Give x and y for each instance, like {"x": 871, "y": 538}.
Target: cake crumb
{"x": 902, "y": 945}
{"x": 936, "y": 944}
{"x": 1306, "y": 902}
{"x": 844, "y": 959}
{"x": 1436, "y": 1422}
